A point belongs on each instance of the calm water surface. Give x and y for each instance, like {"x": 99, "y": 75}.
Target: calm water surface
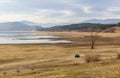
{"x": 28, "y": 38}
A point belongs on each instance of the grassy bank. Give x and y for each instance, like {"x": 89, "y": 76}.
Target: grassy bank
{"x": 58, "y": 61}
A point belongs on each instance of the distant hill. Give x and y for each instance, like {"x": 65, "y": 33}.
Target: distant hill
{"x": 107, "y": 21}
{"x": 30, "y": 23}
{"x": 82, "y": 27}
{"x": 35, "y": 26}
{"x": 28, "y": 26}
{"x": 113, "y": 30}
{"x": 14, "y": 26}
{"x": 38, "y": 24}
{"x": 17, "y": 26}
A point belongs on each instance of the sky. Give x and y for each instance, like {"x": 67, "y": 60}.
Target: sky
{"x": 58, "y": 11}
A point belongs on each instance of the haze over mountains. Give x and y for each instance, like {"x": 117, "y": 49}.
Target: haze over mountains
{"x": 19, "y": 26}
{"x": 28, "y": 26}
{"x": 107, "y": 21}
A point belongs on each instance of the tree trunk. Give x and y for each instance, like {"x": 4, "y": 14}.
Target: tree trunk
{"x": 92, "y": 42}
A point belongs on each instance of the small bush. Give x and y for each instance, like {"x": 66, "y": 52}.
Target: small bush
{"x": 18, "y": 71}
{"x": 118, "y": 55}
{"x": 76, "y": 64}
{"x": 92, "y": 58}
{"x": 32, "y": 69}
{"x": 4, "y": 73}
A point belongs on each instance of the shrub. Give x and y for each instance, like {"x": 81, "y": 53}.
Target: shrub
{"x": 92, "y": 58}
{"x": 118, "y": 55}
{"x": 32, "y": 69}
{"x": 76, "y": 64}
{"x": 18, "y": 71}
{"x": 4, "y": 73}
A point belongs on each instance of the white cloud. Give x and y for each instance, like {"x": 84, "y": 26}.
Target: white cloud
{"x": 40, "y": 15}
{"x": 4, "y": 1}
{"x": 50, "y": 15}
{"x": 86, "y": 9}
{"x": 58, "y": 11}
{"x": 113, "y": 9}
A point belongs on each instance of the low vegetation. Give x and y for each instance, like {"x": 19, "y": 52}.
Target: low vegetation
{"x": 118, "y": 55}
{"x": 92, "y": 58}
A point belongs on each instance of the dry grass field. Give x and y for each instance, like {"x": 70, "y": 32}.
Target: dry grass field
{"x": 58, "y": 61}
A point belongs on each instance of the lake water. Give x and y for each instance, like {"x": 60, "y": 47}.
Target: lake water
{"x": 28, "y": 38}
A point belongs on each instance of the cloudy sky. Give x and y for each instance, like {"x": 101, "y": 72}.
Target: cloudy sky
{"x": 58, "y": 11}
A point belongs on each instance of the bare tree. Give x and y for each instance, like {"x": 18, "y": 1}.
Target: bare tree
{"x": 94, "y": 37}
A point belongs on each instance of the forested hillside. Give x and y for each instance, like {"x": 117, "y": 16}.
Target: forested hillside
{"x": 82, "y": 27}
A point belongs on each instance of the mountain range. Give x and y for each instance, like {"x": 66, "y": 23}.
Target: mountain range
{"x": 19, "y": 26}
{"x": 106, "y": 21}
{"x": 28, "y": 25}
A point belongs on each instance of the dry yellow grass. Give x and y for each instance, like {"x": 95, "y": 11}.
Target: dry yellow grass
{"x": 78, "y": 34}
{"x": 57, "y": 60}
{"x": 113, "y": 30}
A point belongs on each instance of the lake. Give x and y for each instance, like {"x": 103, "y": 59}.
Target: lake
{"x": 29, "y": 38}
